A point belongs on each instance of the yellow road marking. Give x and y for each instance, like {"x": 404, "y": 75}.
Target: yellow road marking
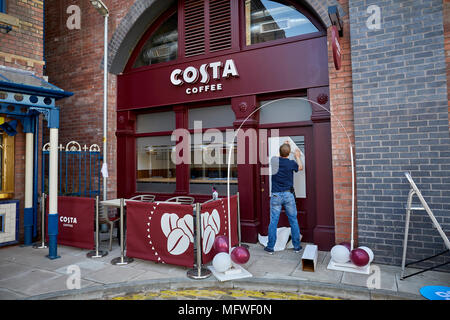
{"x": 235, "y": 293}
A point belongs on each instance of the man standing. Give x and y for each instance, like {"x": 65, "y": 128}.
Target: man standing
{"x": 282, "y": 195}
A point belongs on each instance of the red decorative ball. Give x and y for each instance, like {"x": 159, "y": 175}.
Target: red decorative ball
{"x": 347, "y": 245}
{"x": 240, "y": 255}
{"x": 359, "y": 257}
{"x": 221, "y": 244}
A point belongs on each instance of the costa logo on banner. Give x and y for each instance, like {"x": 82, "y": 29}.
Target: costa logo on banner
{"x": 214, "y": 222}
{"x": 161, "y": 232}
{"x": 336, "y": 47}
{"x": 76, "y": 222}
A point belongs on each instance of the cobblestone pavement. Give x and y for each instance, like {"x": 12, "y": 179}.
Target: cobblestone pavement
{"x": 220, "y": 294}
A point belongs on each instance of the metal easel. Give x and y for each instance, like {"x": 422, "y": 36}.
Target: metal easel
{"x": 424, "y": 206}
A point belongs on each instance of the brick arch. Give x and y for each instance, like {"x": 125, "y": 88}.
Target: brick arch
{"x": 144, "y": 12}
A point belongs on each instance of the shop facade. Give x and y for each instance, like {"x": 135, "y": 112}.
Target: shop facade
{"x": 390, "y": 95}
{"x": 175, "y": 77}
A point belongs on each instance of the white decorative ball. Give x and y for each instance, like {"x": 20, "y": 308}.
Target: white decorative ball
{"x": 222, "y": 262}
{"x": 340, "y": 254}
{"x": 369, "y": 252}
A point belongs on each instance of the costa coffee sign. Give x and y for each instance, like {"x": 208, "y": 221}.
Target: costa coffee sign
{"x": 337, "y": 58}
{"x": 199, "y": 78}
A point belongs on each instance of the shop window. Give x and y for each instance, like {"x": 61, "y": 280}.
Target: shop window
{"x": 162, "y": 46}
{"x": 154, "y": 122}
{"x": 273, "y": 20}
{"x": 156, "y": 172}
{"x": 285, "y": 110}
{"x": 7, "y": 164}
{"x": 209, "y": 168}
{"x": 209, "y": 159}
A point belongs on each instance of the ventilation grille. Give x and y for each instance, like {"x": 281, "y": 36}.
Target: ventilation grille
{"x": 219, "y": 25}
{"x": 194, "y": 17}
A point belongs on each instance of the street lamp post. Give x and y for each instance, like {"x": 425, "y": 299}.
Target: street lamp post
{"x": 103, "y": 10}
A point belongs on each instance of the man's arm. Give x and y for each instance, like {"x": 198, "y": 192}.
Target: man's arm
{"x": 298, "y": 159}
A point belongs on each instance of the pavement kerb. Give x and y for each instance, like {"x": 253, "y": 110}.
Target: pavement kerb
{"x": 342, "y": 291}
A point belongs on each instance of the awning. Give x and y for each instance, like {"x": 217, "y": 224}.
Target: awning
{"x": 26, "y": 82}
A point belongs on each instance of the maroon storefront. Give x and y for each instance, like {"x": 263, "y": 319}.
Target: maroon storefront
{"x": 217, "y": 62}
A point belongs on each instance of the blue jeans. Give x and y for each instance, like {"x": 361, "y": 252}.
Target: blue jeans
{"x": 277, "y": 200}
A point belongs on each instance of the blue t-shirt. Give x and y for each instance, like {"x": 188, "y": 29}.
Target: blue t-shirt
{"x": 282, "y": 174}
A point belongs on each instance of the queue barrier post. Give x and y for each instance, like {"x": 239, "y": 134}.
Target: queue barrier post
{"x": 239, "y": 223}
{"x": 199, "y": 272}
{"x": 96, "y": 253}
{"x": 122, "y": 260}
{"x": 43, "y": 245}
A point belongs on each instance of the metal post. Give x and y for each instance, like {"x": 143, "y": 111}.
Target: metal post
{"x": 105, "y": 107}
{"x": 405, "y": 240}
{"x": 96, "y": 253}
{"x": 122, "y": 260}
{"x": 28, "y": 210}
{"x": 53, "y": 196}
{"x": 199, "y": 272}
{"x": 43, "y": 245}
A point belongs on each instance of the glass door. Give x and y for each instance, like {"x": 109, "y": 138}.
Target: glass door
{"x": 299, "y": 137}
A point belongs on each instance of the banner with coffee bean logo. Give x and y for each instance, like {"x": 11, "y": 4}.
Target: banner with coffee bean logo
{"x": 76, "y": 217}
{"x": 214, "y": 222}
{"x": 160, "y": 232}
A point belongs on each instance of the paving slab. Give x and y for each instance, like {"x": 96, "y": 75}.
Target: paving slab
{"x": 415, "y": 283}
{"x": 11, "y": 269}
{"x": 113, "y": 274}
{"x": 6, "y": 294}
{"x": 380, "y": 278}
{"x": 321, "y": 274}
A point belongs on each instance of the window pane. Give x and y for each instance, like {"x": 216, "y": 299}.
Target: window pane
{"x": 155, "y": 170}
{"x": 155, "y": 122}
{"x": 285, "y": 110}
{"x": 212, "y": 117}
{"x": 209, "y": 169}
{"x": 272, "y": 20}
{"x": 162, "y": 45}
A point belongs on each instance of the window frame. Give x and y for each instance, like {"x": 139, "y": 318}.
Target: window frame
{"x": 314, "y": 20}
{"x": 8, "y": 158}
{"x": 205, "y": 104}
{"x": 178, "y": 9}
{"x": 147, "y": 35}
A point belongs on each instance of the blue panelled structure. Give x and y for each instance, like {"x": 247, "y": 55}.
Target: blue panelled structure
{"x": 24, "y": 97}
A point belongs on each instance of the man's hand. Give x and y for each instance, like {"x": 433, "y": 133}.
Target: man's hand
{"x": 298, "y": 159}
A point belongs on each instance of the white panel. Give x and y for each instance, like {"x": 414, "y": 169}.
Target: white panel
{"x": 285, "y": 110}
{"x": 212, "y": 117}
{"x": 155, "y": 122}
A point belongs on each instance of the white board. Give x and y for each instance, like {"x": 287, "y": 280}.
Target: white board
{"x": 300, "y": 176}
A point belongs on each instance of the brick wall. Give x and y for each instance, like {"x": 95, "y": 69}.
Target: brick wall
{"x": 401, "y": 124}
{"x": 446, "y": 16}
{"x": 341, "y": 98}
{"x": 74, "y": 60}
{"x": 22, "y": 48}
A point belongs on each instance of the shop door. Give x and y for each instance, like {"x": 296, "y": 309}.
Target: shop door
{"x": 303, "y": 138}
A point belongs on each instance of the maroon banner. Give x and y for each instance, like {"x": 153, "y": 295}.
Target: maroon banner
{"x": 214, "y": 222}
{"x": 75, "y": 222}
{"x": 160, "y": 232}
